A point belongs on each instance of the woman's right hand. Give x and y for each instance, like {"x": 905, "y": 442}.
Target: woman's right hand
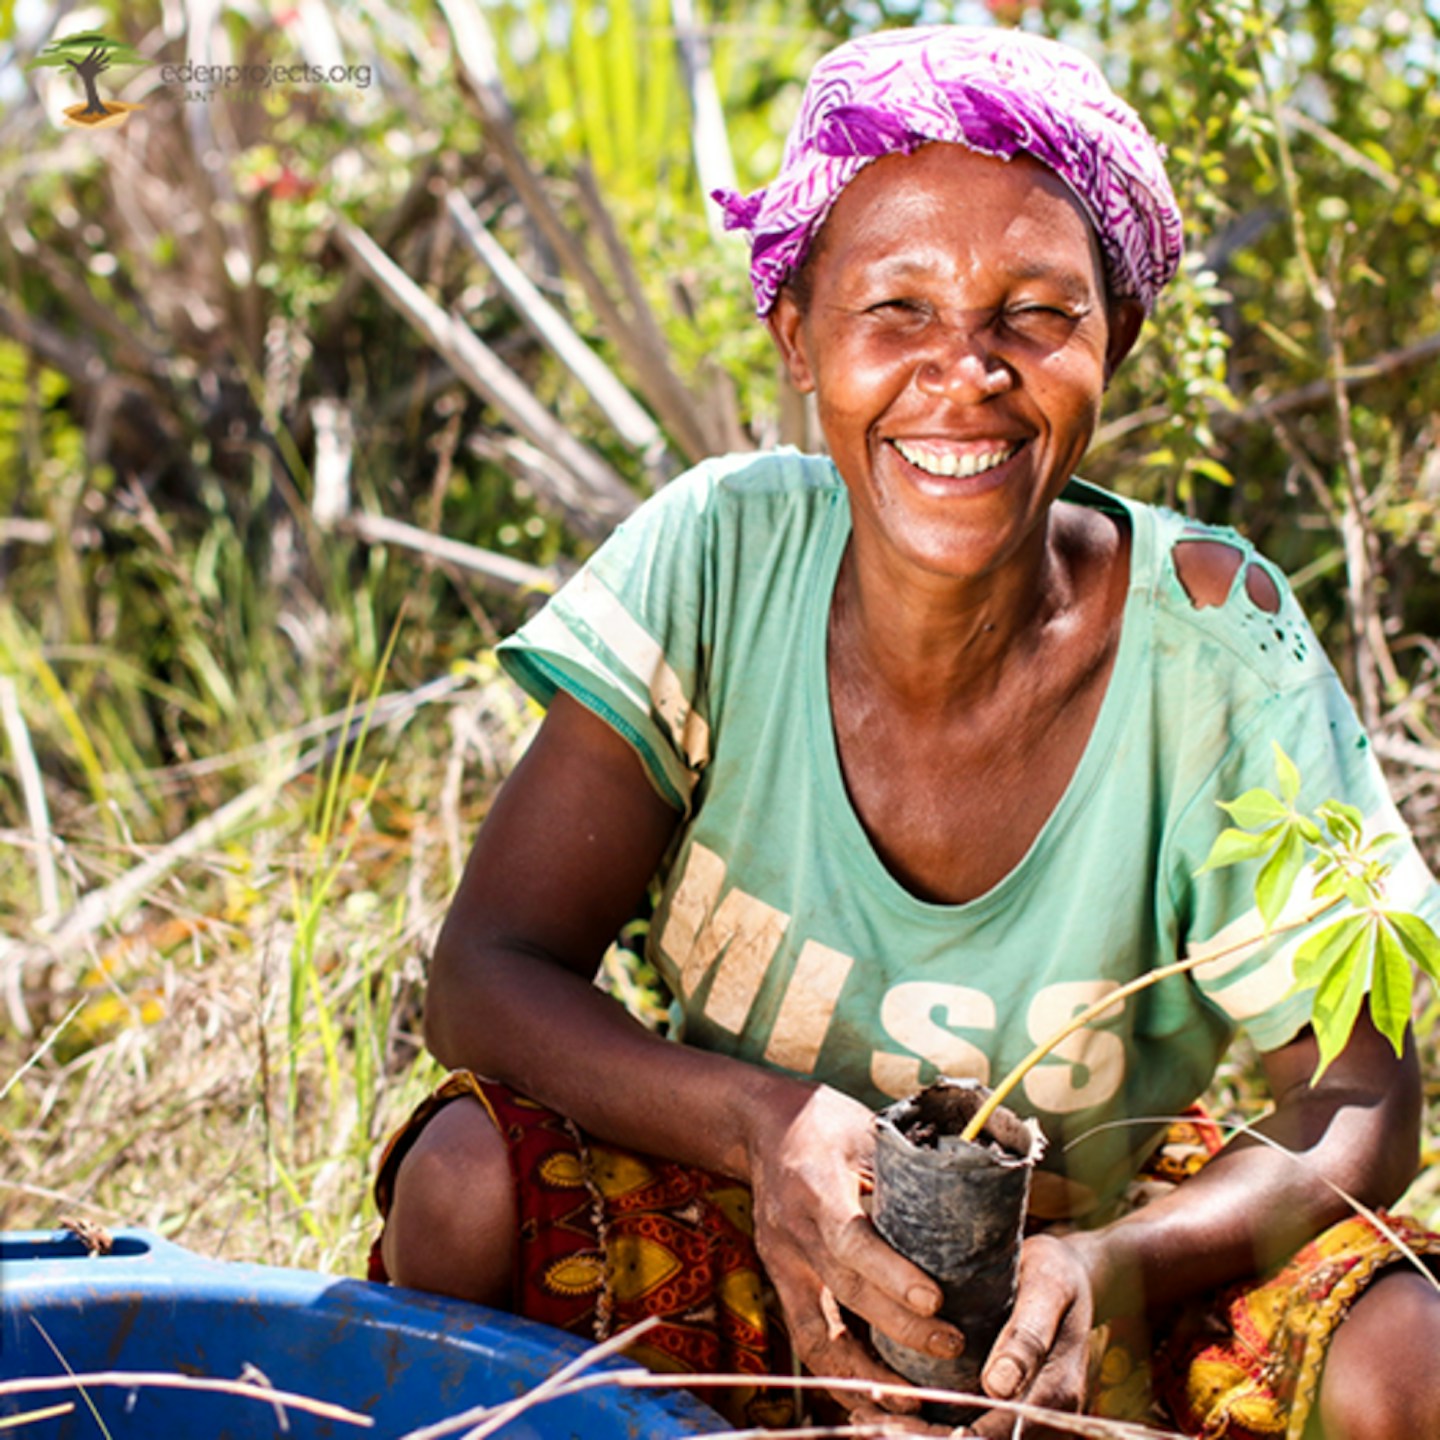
{"x": 811, "y": 1159}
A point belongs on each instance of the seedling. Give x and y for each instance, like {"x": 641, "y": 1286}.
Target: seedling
{"x": 1368, "y": 946}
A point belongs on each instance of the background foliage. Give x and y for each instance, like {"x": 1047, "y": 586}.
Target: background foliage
{"x": 255, "y": 368}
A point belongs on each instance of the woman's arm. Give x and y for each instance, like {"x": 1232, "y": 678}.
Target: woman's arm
{"x": 560, "y": 865}
{"x": 1356, "y": 1131}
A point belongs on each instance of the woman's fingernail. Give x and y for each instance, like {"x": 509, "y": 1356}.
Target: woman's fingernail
{"x": 923, "y": 1299}
{"x": 946, "y": 1343}
{"x": 1004, "y": 1378}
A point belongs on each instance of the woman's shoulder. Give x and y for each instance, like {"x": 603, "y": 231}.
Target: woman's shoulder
{"x": 743, "y": 505}
{"x": 1215, "y": 599}
{"x": 750, "y": 480}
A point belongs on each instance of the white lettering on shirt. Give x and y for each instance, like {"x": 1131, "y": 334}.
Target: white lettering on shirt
{"x": 1086, "y": 1068}
{"x": 737, "y": 939}
{"x": 808, "y": 1007}
{"x": 908, "y": 1016}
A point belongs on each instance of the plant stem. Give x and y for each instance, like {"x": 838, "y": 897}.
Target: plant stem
{"x": 1094, "y": 1010}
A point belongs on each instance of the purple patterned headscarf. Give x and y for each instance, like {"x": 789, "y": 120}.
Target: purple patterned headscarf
{"x": 996, "y": 91}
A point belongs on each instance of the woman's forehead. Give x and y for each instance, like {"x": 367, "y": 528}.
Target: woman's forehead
{"x": 945, "y": 204}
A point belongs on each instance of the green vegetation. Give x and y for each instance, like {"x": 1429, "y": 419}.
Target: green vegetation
{"x": 256, "y": 363}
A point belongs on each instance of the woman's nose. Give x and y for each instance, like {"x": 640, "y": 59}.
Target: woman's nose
{"x": 960, "y": 364}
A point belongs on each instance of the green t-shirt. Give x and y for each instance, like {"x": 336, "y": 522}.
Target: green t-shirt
{"x": 698, "y": 631}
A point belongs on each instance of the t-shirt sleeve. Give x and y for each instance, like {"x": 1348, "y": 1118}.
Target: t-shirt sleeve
{"x": 626, "y": 637}
{"x": 1251, "y": 976}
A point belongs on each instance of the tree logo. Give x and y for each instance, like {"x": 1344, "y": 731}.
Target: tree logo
{"x": 89, "y": 55}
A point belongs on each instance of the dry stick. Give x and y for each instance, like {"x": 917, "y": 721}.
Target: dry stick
{"x": 100, "y": 907}
{"x": 1093, "y": 1426}
{"x": 596, "y": 498}
{"x": 33, "y": 1417}
{"x": 397, "y": 704}
{"x": 338, "y": 311}
{"x": 161, "y": 1380}
{"x": 1389, "y": 362}
{"x": 33, "y": 788}
{"x": 1364, "y": 615}
{"x": 996, "y": 1098}
{"x": 713, "y": 162}
{"x": 502, "y": 569}
{"x": 658, "y": 382}
{"x": 630, "y": 420}
{"x": 1407, "y": 752}
{"x": 492, "y": 1417}
{"x": 41, "y": 1050}
{"x": 642, "y": 324}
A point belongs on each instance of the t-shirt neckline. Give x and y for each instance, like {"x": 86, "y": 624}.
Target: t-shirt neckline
{"x": 1099, "y": 746}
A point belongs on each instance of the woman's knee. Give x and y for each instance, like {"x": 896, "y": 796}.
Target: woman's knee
{"x": 1381, "y": 1381}
{"x": 452, "y": 1223}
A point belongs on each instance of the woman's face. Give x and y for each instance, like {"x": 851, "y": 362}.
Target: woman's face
{"x": 956, "y": 335}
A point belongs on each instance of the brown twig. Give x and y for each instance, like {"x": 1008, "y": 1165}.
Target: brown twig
{"x": 597, "y": 499}
{"x": 630, "y": 421}
{"x": 658, "y": 384}
{"x": 1263, "y": 410}
{"x": 161, "y": 1380}
{"x": 501, "y": 570}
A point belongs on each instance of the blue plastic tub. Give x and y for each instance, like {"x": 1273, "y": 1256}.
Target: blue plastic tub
{"x": 404, "y": 1359}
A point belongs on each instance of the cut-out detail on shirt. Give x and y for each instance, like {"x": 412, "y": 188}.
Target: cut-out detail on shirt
{"x": 1262, "y": 590}
{"x": 1206, "y": 570}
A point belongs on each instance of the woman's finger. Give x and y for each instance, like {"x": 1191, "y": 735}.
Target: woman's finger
{"x": 1052, "y": 1304}
{"x": 826, "y": 1346}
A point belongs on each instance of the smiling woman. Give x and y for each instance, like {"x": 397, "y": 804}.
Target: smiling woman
{"x": 920, "y": 743}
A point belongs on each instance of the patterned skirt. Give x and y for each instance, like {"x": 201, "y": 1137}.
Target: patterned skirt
{"x": 608, "y": 1238}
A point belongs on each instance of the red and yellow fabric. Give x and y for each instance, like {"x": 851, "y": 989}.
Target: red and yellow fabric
{"x": 608, "y": 1238}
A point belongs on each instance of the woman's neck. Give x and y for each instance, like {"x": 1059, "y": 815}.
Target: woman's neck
{"x": 935, "y": 642}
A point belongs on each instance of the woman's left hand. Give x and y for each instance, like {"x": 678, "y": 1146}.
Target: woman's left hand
{"x": 1042, "y": 1354}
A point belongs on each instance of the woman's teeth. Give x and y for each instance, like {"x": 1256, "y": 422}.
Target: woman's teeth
{"x": 949, "y": 464}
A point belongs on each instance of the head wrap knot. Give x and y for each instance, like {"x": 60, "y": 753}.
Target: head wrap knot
{"x": 999, "y": 92}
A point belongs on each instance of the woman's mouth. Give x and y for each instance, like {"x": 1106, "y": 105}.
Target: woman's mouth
{"x": 956, "y": 460}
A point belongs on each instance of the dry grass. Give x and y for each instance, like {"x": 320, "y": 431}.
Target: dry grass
{"x": 222, "y": 1065}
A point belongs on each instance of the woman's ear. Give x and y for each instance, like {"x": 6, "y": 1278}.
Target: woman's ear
{"x": 1126, "y": 318}
{"x": 786, "y": 325}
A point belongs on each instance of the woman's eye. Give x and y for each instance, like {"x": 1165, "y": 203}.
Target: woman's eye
{"x": 896, "y": 308}
{"x": 1043, "y": 321}
{"x": 1025, "y": 312}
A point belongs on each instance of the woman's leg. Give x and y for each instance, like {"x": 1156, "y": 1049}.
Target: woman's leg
{"x": 452, "y": 1222}
{"x": 1382, "y": 1374}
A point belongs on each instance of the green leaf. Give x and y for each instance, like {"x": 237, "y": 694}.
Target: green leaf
{"x": 1392, "y": 987}
{"x": 1418, "y": 940}
{"x": 1337, "y": 1001}
{"x": 1380, "y": 842}
{"x": 1210, "y": 469}
{"x": 1316, "y": 957}
{"x": 1345, "y": 821}
{"x": 1357, "y": 892}
{"x": 1232, "y": 847}
{"x": 1276, "y": 880}
{"x": 1255, "y": 808}
{"x": 1330, "y": 884}
{"x": 1288, "y": 774}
